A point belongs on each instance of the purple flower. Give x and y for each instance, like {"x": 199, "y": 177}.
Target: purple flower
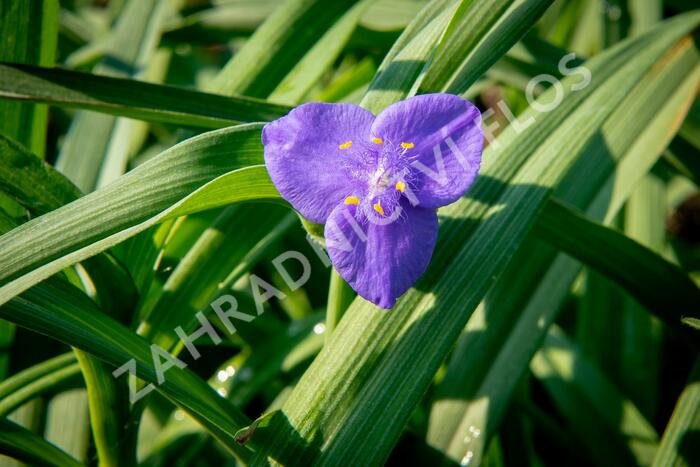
{"x": 376, "y": 182}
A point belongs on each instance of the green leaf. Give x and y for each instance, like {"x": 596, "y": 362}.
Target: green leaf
{"x": 29, "y": 31}
{"x": 25, "y": 446}
{"x": 679, "y": 446}
{"x": 51, "y": 375}
{"x": 40, "y": 188}
{"x": 221, "y": 256}
{"x": 180, "y": 181}
{"x": 479, "y": 33}
{"x": 607, "y": 424}
{"x": 403, "y": 64}
{"x": 95, "y": 140}
{"x": 32, "y": 182}
{"x": 68, "y": 423}
{"x": 62, "y": 312}
{"x": 692, "y": 322}
{"x": 659, "y": 285}
{"x": 109, "y": 411}
{"x": 277, "y": 46}
{"x": 132, "y": 98}
{"x": 321, "y": 56}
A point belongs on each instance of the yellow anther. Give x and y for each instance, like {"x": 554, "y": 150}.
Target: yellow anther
{"x": 345, "y": 145}
{"x": 377, "y": 207}
{"x": 352, "y": 200}
{"x": 401, "y": 186}
{"x": 377, "y": 141}
{"x": 407, "y": 145}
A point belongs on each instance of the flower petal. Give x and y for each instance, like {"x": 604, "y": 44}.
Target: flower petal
{"x": 381, "y": 262}
{"x": 443, "y": 135}
{"x": 303, "y": 150}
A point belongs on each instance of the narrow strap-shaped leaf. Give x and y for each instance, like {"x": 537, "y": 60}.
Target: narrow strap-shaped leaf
{"x": 609, "y": 426}
{"x": 277, "y": 46}
{"x": 39, "y": 188}
{"x": 324, "y": 52}
{"x": 219, "y": 257}
{"x": 24, "y": 445}
{"x": 34, "y": 372}
{"x": 470, "y": 23}
{"x": 68, "y": 422}
{"x": 146, "y": 191}
{"x": 658, "y": 284}
{"x": 29, "y": 31}
{"x": 27, "y": 178}
{"x": 23, "y": 387}
{"x": 408, "y": 56}
{"x": 109, "y": 411}
{"x": 62, "y": 312}
{"x": 515, "y": 22}
{"x": 97, "y": 139}
{"x": 131, "y": 98}
{"x": 679, "y": 443}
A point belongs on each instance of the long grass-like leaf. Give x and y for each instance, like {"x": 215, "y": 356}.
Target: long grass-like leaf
{"x": 64, "y": 313}
{"x": 131, "y": 98}
{"x": 96, "y": 139}
{"x": 22, "y": 444}
{"x": 642, "y": 272}
{"x": 679, "y": 446}
{"x": 608, "y": 425}
{"x": 149, "y": 194}
{"x": 30, "y": 33}
{"x": 277, "y": 46}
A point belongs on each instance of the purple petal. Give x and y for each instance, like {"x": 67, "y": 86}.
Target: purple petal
{"x": 302, "y": 154}
{"x": 381, "y": 262}
{"x": 430, "y": 121}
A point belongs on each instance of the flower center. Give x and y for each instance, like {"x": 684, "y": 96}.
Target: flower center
{"x": 383, "y": 169}
{"x": 391, "y": 177}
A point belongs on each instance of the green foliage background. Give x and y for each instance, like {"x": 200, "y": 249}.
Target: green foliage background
{"x": 556, "y": 325}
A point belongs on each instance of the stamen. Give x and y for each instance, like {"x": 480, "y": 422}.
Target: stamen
{"x": 345, "y": 145}
{"x": 407, "y": 145}
{"x": 377, "y": 207}
{"x": 352, "y": 200}
{"x": 377, "y": 141}
{"x": 401, "y": 186}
